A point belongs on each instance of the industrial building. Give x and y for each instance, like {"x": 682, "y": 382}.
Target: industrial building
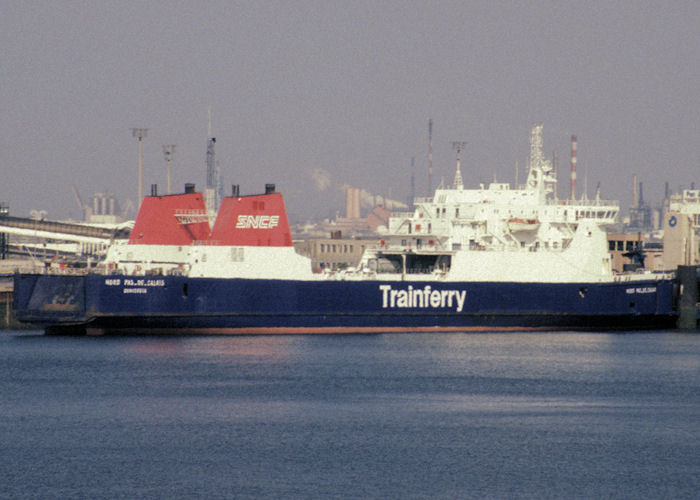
{"x": 334, "y": 253}
{"x": 682, "y": 230}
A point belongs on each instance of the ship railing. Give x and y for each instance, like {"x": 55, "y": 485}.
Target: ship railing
{"x": 643, "y": 274}
{"x": 70, "y": 271}
{"x": 428, "y": 199}
{"x": 584, "y": 203}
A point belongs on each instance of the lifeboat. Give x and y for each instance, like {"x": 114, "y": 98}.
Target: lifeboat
{"x": 518, "y": 225}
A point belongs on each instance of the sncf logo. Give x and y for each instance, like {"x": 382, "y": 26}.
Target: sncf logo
{"x": 257, "y": 221}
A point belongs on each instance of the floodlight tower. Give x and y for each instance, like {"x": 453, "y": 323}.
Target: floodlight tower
{"x": 140, "y": 134}
{"x": 168, "y": 151}
{"x": 459, "y": 146}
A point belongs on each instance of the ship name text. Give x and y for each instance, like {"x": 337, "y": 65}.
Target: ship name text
{"x": 646, "y": 289}
{"x": 421, "y": 297}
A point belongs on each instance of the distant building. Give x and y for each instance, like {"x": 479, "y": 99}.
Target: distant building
{"x": 104, "y": 210}
{"x": 333, "y": 253}
{"x": 620, "y": 244}
{"x": 640, "y": 212}
{"x": 681, "y": 230}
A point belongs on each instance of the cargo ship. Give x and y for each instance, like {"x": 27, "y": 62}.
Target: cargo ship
{"x": 491, "y": 258}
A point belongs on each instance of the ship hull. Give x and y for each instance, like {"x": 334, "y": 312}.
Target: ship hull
{"x": 99, "y": 304}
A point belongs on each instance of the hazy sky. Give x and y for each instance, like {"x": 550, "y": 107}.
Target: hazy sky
{"x": 344, "y": 88}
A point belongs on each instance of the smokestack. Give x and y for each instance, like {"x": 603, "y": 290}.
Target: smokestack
{"x": 352, "y": 202}
{"x": 574, "y": 144}
{"x": 635, "y": 191}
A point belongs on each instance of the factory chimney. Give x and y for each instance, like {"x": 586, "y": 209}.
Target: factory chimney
{"x": 352, "y": 202}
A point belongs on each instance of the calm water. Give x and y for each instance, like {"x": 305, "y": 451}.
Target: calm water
{"x": 557, "y": 415}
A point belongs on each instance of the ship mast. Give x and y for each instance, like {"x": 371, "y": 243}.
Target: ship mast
{"x": 541, "y": 176}
{"x": 459, "y": 146}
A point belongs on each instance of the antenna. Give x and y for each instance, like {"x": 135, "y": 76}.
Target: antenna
{"x": 459, "y": 146}
{"x": 555, "y": 168}
{"x": 574, "y": 144}
{"x": 168, "y": 151}
{"x": 412, "y": 201}
{"x": 211, "y": 200}
{"x": 209, "y": 123}
{"x": 430, "y": 157}
{"x": 140, "y": 134}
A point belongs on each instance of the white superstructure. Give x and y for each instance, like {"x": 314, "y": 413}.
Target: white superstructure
{"x": 496, "y": 233}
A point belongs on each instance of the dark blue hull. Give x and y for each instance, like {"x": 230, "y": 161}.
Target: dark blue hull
{"x": 176, "y": 304}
